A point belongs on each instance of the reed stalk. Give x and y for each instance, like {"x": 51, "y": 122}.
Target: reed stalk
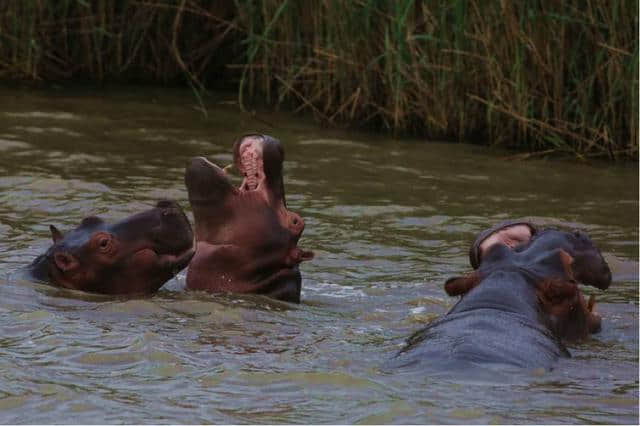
{"x": 541, "y": 75}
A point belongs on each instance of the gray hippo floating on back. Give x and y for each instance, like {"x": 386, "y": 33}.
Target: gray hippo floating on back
{"x": 246, "y": 238}
{"x": 136, "y": 255}
{"x": 519, "y": 305}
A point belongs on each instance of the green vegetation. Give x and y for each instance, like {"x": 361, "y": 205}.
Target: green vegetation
{"x": 539, "y": 75}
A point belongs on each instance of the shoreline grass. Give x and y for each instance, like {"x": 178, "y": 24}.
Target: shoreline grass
{"x": 539, "y": 76}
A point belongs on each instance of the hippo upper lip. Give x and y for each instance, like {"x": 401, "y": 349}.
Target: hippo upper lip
{"x": 206, "y": 181}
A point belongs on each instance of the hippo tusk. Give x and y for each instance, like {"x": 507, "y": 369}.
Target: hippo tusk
{"x": 228, "y": 169}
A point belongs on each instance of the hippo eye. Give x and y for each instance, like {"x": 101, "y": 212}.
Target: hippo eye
{"x": 104, "y": 244}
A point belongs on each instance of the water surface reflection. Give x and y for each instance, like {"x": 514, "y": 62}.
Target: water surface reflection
{"x": 389, "y": 221}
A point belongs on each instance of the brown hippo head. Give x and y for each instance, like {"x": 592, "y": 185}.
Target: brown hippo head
{"x": 246, "y": 239}
{"x": 134, "y": 256}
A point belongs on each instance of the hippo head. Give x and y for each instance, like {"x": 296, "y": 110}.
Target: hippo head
{"x": 134, "y": 256}
{"x": 588, "y": 265}
{"x": 555, "y": 261}
{"x": 246, "y": 239}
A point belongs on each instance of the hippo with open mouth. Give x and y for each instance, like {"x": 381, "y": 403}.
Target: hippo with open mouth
{"x": 136, "y": 255}
{"x": 518, "y": 307}
{"x": 246, "y": 238}
{"x": 517, "y": 235}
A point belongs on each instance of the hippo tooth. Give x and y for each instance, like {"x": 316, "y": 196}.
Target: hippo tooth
{"x": 249, "y": 163}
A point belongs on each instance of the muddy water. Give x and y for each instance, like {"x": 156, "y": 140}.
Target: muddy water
{"x": 388, "y": 220}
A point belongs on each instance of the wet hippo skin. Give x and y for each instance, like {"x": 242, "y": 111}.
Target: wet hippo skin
{"x": 509, "y": 232}
{"x": 136, "y": 255}
{"x": 246, "y": 238}
{"x": 517, "y": 308}
{"x": 517, "y": 235}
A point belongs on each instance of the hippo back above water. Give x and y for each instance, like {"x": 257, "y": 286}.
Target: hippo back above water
{"x": 136, "y": 255}
{"x": 517, "y": 308}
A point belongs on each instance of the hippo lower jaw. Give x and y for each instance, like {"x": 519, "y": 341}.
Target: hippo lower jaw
{"x": 225, "y": 268}
{"x": 175, "y": 262}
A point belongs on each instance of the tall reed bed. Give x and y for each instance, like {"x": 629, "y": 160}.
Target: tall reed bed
{"x": 540, "y": 75}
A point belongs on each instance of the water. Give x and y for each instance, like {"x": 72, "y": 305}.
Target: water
{"x": 389, "y": 222}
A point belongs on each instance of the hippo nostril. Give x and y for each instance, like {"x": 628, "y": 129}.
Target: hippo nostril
{"x": 295, "y": 221}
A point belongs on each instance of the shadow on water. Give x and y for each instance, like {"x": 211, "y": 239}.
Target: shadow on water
{"x": 389, "y": 222}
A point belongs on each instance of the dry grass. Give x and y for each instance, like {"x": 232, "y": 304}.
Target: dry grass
{"x": 541, "y": 75}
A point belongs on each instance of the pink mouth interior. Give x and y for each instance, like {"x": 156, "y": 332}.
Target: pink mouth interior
{"x": 251, "y": 163}
{"x": 510, "y": 236}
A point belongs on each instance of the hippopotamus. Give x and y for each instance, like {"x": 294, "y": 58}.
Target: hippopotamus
{"x": 136, "y": 255}
{"x": 518, "y": 307}
{"x": 517, "y": 234}
{"x": 246, "y": 238}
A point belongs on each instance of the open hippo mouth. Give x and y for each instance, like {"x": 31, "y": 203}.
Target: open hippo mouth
{"x": 246, "y": 237}
{"x": 258, "y": 158}
{"x": 249, "y": 160}
{"x": 520, "y": 236}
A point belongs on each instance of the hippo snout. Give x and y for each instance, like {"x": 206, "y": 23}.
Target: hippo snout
{"x": 597, "y": 277}
{"x": 589, "y": 266}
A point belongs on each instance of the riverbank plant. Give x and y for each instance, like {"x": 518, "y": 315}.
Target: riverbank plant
{"x": 542, "y": 76}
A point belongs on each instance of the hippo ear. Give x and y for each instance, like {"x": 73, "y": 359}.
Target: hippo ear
{"x": 567, "y": 262}
{"x": 65, "y": 261}
{"x": 56, "y": 235}
{"x": 459, "y": 286}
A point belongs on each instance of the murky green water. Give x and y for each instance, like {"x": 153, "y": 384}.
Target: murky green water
{"x": 389, "y": 221}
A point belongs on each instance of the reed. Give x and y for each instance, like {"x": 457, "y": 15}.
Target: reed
{"x": 542, "y": 75}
